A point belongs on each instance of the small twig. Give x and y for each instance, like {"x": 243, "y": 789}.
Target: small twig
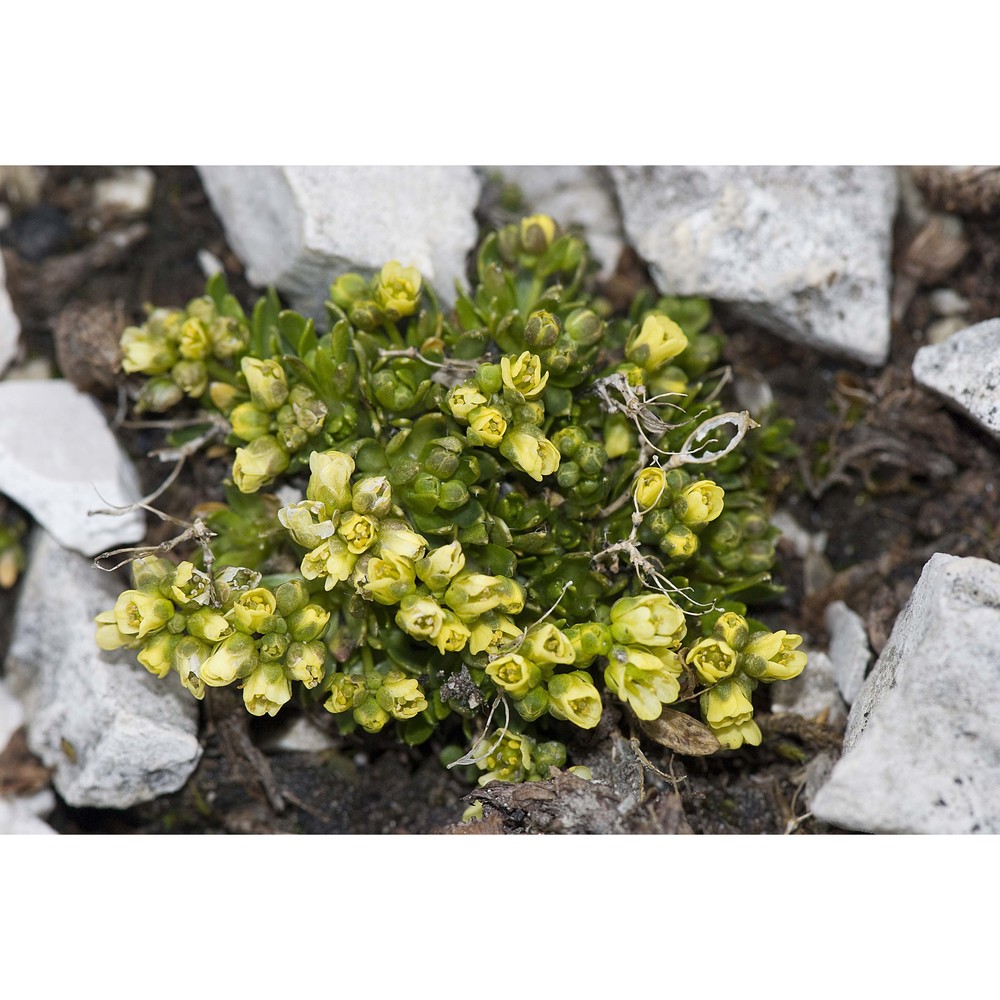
{"x": 470, "y": 758}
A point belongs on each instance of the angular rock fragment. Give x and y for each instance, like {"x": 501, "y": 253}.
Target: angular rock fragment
{"x": 922, "y": 748}
{"x": 965, "y": 371}
{"x": 114, "y": 734}
{"x": 58, "y": 459}
{"x": 300, "y": 227}
{"x": 803, "y": 251}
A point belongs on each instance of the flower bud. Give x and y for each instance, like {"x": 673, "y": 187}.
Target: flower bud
{"x": 109, "y": 636}
{"x": 308, "y": 624}
{"x": 266, "y": 382}
{"x": 732, "y": 629}
{"x": 396, "y": 538}
{"x": 528, "y": 412}
{"x": 234, "y": 658}
{"x": 585, "y": 327}
{"x": 139, "y": 614}
{"x": 304, "y": 662}
{"x": 191, "y": 377}
{"x": 574, "y": 698}
{"x": 489, "y": 378}
{"x": 523, "y": 375}
{"x": 148, "y": 572}
{"x": 365, "y": 315}
{"x": 541, "y": 330}
{"x": 370, "y": 716}
{"x": 397, "y": 290}
{"x": 619, "y": 435}
{"x": 266, "y": 689}
{"x": 533, "y": 705}
{"x": 651, "y": 488}
{"x": 309, "y": 410}
{"x": 680, "y": 542}
{"x": 699, "y": 503}
{"x": 569, "y": 440}
{"x": 659, "y": 340}
{"x": 441, "y": 565}
{"x": 158, "y": 395}
{"x": 589, "y": 640}
{"x": 648, "y": 620}
{"x": 514, "y": 674}
{"x": 157, "y": 655}
{"x": 538, "y": 233}
{"x": 330, "y": 481}
{"x": 228, "y": 336}
{"x": 258, "y": 463}
{"x": 346, "y": 692}
{"x": 372, "y": 496}
{"x": 224, "y": 396}
{"x": 208, "y": 624}
{"x": 348, "y": 289}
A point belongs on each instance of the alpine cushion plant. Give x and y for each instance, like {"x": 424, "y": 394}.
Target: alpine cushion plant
{"x": 524, "y": 501}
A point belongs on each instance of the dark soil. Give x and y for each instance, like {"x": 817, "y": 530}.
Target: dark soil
{"x": 884, "y": 469}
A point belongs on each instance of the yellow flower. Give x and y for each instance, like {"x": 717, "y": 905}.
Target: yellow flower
{"x": 187, "y": 658}
{"x": 195, "y": 342}
{"x": 726, "y": 704}
{"x": 138, "y": 614}
{"x": 157, "y": 655}
{"x": 397, "y": 290}
{"x": 712, "y": 659}
{"x": 732, "y": 629}
{"x": 401, "y": 696}
{"x": 486, "y": 426}
{"x": 573, "y": 697}
{"x": 440, "y": 566}
{"x": 733, "y": 736}
{"x": 358, "y": 531}
{"x": 304, "y": 662}
{"x": 680, "y": 542}
{"x": 209, "y": 624}
{"x": 523, "y": 374}
{"x": 266, "y": 382}
{"x": 765, "y": 644}
{"x": 648, "y": 620}
{"x": 452, "y": 635}
{"x": 659, "y": 340}
{"x": 463, "y": 399}
{"x": 307, "y": 522}
{"x": 388, "y": 580}
{"x": 787, "y": 663}
{"x": 308, "y": 623}
{"x": 252, "y": 609}
{"x": 266, "y": 689}
{"x": 645, "y": 691}
{"x": 330, "y": 481}
{"x": 546, "y": 644}
{"x": 699, "y": 503}
{"x": 146, "y": 352}
{"x": 530, "y": 452}
{"x": 248, "y": 422}
{"x": 492, "y": 633}
{"x": 420, "y": 616}
{"x": 346, "y": 692}
{"x": 234, "y": 657}
{"x": 370, "y": 715}
{"x": 651, "y": 487}
{"x": 397, "y": 539}
{"x": 189, "y": 585}
{"x": 109, "y": 635}
{"x": 515, "y": 674}
{"x": 258, "y": 463}
{"x": 372, "y": 495}
{"x": 473, "y": 594}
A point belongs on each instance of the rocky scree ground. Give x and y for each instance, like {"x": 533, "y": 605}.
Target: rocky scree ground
{"x": 885, "y": 473}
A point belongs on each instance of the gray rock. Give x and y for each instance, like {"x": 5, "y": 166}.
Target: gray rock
{"x": 11, "y": 715}
{"x": 803, "y": 251}
{"x": 114, "y": 734}
{"x": 922, "y": 748}
{"x": 58, "y": 459}
{"x": 22, "y": 814}
{"x": 947, "y": 302}
{"x": 10, "y": 328}
{"x": 965, "y": 371}
{"x": 575, "y": 196}
{"x": 814, "y": 692}
{"x": 942, "y": 329}
{"x": 850, "y": 653}
{"x": 300, "y": 227}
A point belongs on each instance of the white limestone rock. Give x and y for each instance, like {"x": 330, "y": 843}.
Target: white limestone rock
{"x": 114, "y": 734}
{"x": 802, "y": 251}
{"x": 922, "y": 747}
{"x": 23, "y": 814}
{"x": 58, "y": 459}
{"x": 575, "y": 196}
{"x": 10, "y": 328}
{"x": 11, "y": 715}
{"x": 850, "y": 653}
{"x": 298, "y": 228}
{"x": 965, "y": 371}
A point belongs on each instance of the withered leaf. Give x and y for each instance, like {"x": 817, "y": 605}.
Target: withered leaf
{"x": 682, "y": 733}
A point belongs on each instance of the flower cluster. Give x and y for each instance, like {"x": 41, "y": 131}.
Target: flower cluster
{"x": 524, "y": 500}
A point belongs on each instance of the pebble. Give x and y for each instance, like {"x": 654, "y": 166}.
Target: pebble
{"x": 802, "y": 251}
{"x": 129, "y": 193}
{"x": 947, "y": 302}
{"x": 849, "y": 649}
{"x": 298, "y": 228}
{"x": 10, "y": 327}
{"x": 113, "y": 734}
{"x": 59, "y": 459}
{"x": 965, "y": 371}
{"x": 922, "y": 746}
{"x": 941, "y": 329}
